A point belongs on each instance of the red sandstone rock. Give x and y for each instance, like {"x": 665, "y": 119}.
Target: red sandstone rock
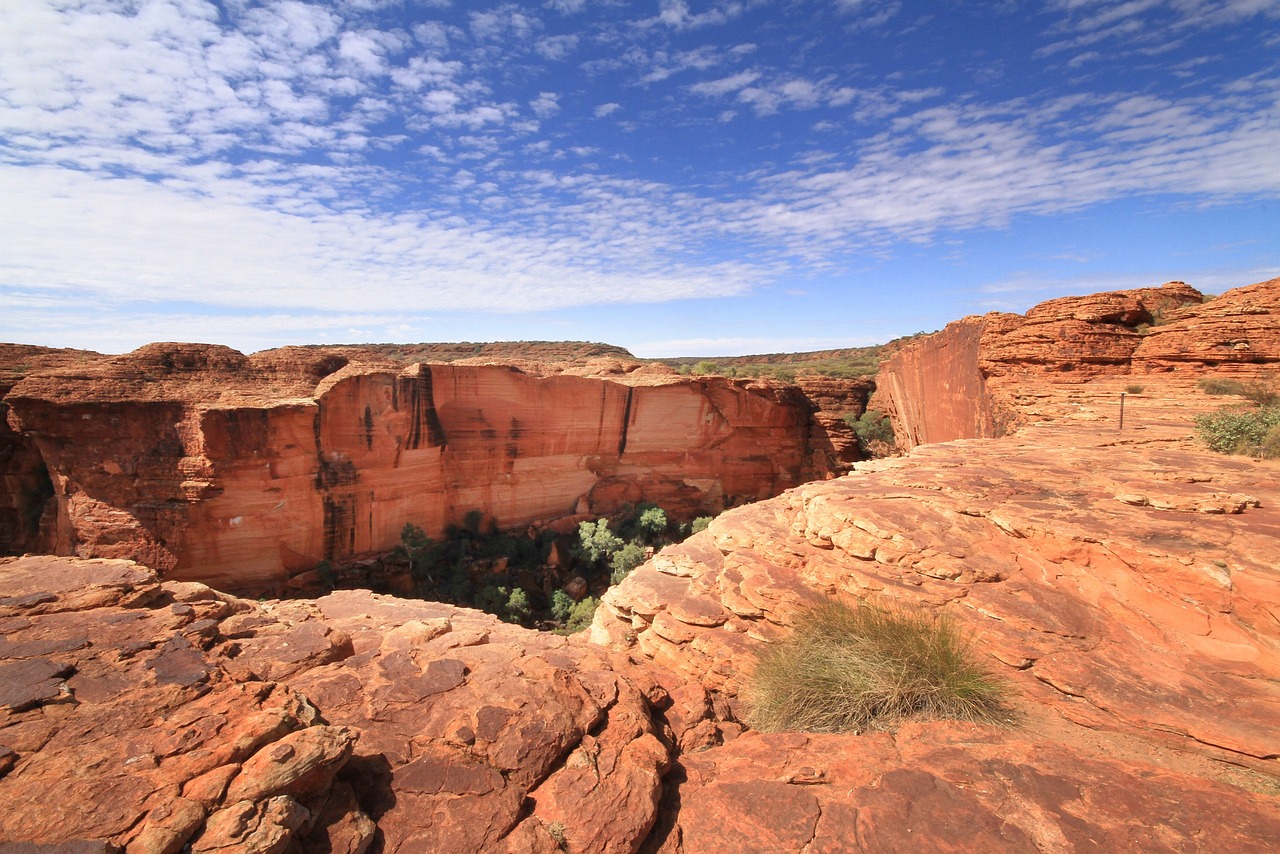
{"x": 978, "y": 377}
{"x": 243, "y": 471}
{"x": 458, "y": 732}
{"x": 1232, "y": 332}
{"x": 950, "y": 787}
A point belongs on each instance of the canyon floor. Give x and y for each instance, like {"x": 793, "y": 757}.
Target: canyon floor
{"x": 1122, "y": 582}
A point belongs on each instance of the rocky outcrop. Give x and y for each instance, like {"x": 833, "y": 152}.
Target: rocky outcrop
{"x": 1127, "y": 603}
{"x": 166, "y": 715}
{"x": 968, "y": 380}
{"x": 1233, "y": 333}
{"x": 24, "y": 481}
{"x": 245, "y": 471}
{"x": 1121, "y": 582}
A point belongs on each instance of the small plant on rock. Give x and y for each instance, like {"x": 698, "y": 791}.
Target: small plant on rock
{"x": 874, "y": 430}
{"x": 1236, "y": 430}
{"x": 624, "y": 560}
{"x": 852, "y": 668}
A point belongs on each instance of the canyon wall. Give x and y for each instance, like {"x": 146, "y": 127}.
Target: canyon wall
{"x": 243, "y": 471}
{"x": 980, "y": 376}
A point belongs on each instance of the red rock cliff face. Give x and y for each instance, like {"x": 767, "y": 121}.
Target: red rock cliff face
{"x": 208, "y": 464}
{"x": 980, "y": 375}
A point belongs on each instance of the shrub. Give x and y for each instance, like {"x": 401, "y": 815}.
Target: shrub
{"x": 582, "y": 614}
{"x": 1262, "y": 391}
{"x": 849, "y": 668}
{"x": 596, "y": 543}
{"x": 624, "y": 560}
{"x": 561, "y": 605}
{"x": 652, "y": 522}
{"x": 871, "y": 426}
{"x": 700, "y": 524}
{"x": 1218, "y": 386}
{"x": 1241, "y": 431}
{"x": 517, "y": 608}
{"x": 1134, "y": 389}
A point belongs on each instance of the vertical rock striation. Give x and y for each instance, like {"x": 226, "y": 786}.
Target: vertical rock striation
{"x": 975, "y": 378}
{"x": 243, "y": 471}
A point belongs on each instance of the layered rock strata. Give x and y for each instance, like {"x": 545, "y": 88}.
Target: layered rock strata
{"x": 1122, "y": 582}
{"x": 968, "y": 380}
{"x": 244, "y": 471}
{"x": 160, "y": 717}
{"x": 1130, "y": 604}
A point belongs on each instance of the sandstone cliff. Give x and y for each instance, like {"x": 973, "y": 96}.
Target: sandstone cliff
{"x": 1122, "y": 582}
{"x": 244, "y": 470}
{"x": 980, "y": 376}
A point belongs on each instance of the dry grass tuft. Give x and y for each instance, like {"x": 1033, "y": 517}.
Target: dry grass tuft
{"x": 852, "y": 668}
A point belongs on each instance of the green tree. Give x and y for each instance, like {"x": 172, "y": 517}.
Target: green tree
{"x": 700, "y": 524}
{"x": 561, "y": 606}
{"x": 624, "y": 560}
{"x": 517, "y": 607}
{"x": 870, "y": 427}
{"x": 596, "y": 543}
{"x": 582, "y": 614}
{"x": 652, "y": 523}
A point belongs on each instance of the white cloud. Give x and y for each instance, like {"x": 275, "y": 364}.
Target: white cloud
{"x": 608, "y": 109}
{"x": 130, "y": 239}
{"x": 725, "y": 85}
{"x": 545, "y": 105}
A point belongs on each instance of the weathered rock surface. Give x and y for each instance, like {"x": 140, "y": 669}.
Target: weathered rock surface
{"x": 1124, "y": 584}
{"x": 970, "y": 380}
{"x": 243, "y": 471}
{"x": 1230, "y": 333}
{"x": 164, "y": 715}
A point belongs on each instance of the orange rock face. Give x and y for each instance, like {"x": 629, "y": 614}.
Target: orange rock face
{"x": 974, "y": 378}
{"x": 1123, "y": 583}
{"x": 1234, "y": 332}
{"x": 170, "y": 717}
{"x": 243, "y": 471}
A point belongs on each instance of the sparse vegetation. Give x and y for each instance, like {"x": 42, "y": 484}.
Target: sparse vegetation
{"x": 596, "y": 543}
{"x": 850, "y": 668}
{"x": 1263, "y": 391}
{"x": 1134, "y": 388}
{"x": 1242, "y": 430}
{"x": 874, "y": 430}
{"x": 581, "y": 614}
{"x": 474, "y": 564}
{"x": 850, "y": 363}
{"x": 624, "y": 560}
{"x": 1219, "y": 386}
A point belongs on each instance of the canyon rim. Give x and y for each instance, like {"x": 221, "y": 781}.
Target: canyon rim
{"x": 1121, "y": 581}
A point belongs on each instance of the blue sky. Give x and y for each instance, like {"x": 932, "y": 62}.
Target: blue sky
{"x": 679, "y": 177}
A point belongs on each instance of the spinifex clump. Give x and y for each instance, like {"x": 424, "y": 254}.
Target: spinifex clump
{"x": 851, "y": 668}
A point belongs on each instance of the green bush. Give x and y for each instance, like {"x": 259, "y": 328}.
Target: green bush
{"x": 849, "y": 668}
{"x": 1238, "y": 430}
{"x": 596, "y": 543}
{"x": 871, "y": 426}
{"x": 561, "y": 605}
{"x": 700, "y": 524}
{"x": 652, "y": 523}
{"x": 582, "y": 614}
{"x": 624, "y": 560}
